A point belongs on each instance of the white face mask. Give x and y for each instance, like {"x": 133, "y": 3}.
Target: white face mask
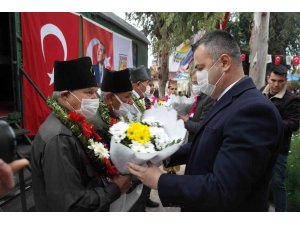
{"x": 88, "y": 107}
{"x": 123, "y": 110}
{"x": 196, "y": 89}
{"x": 202, "y": 79}
{"x": 147, "y": 92}
{"x": 144, "y": 93}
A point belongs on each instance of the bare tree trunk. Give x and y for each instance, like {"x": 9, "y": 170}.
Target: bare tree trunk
{"x": 163, "y": 63}
{"x": 259, "y": 48}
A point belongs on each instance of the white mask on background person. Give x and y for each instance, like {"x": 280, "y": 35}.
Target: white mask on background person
{"x": 147, "y": 92}
{"x": 88, "y": 107}
{"x": 196, "y": 89}
{"x": 202, "y": 79}
{"x": 124, "y": 108}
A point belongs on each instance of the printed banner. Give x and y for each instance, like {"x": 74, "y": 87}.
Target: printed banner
{"x": 46, "y": 37}
{"x": 182, "y": 56}
{"x": 98, "y": 44}
{"x": 122, "y": 52}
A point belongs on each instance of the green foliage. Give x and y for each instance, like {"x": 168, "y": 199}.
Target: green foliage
{"x": 284, "y": 31}
{"x": 169, "y": 29}
{"x": 293, "y": 175}
{"x": 294, "y": 83}
{"x": 240, "y": 25}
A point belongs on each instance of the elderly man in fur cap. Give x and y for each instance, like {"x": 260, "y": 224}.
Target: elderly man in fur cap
{"x": 67, "y": 175}
{"x": 116, "y": 104}
{"x": 140, "y": 79}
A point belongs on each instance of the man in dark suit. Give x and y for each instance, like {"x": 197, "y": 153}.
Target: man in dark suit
{"x": 230, "y": 161}
{"x": 99, "y": 67}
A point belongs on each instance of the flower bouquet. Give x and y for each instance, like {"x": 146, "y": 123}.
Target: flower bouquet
{"x": 181, "y": 104}
{"x": 155, "y": 138}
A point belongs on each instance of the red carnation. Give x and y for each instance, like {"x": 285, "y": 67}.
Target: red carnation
{"x": 86, "y": 130}
{"x": 96, "y": 136}
{"x": 112, "y": 121}
{"x": 111, "y": 169}
{"x": 76, "y": 117}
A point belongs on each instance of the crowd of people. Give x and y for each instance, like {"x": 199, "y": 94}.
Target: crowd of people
{"x": 236, "y": 151}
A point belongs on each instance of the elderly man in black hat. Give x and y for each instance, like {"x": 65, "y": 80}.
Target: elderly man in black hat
{"x": 140, "y": 79}
{"x": 115, "y": 101}
{"x": 140, "y": 83}
{"x": 65, "y": 175}
{"x": 116, "y": 104}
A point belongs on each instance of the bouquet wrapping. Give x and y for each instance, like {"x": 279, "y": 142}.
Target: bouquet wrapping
{"x": 155, "y": 138}
{"x": 181, "y": 104}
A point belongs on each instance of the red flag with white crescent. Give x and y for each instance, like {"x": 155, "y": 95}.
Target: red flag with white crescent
{"x": 46, "y": 37}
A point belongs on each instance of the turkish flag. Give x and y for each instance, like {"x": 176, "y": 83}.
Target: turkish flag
{"x": 296, "y": 60}
{"x": 277, "y": 59}
{"x": 243, "y": 57}
{"x": 46, "y": 37}
{"x": 224, "y": 22}
{"x": 93, "y": 34}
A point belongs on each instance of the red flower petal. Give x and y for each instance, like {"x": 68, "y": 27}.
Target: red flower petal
{"x": 111, "y": 169}
{"x": 112, "y": 121}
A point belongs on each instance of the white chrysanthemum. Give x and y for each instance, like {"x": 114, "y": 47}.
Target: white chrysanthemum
{"x": 161, "y": 139}
{"x": 99, "y": 149}
{"x": 152, "y": 122}
{"x": 118, "y": 131}
{"x": 148, "y": 147}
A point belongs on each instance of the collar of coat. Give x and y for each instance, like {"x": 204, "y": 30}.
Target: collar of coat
{"x": 280, "y": 94}
{"x": 134, "y": 93}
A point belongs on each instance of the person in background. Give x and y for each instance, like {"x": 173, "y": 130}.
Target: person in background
{"x": 150, "y": 99}
{"x": 154, "y": 95}
{"x": 230, "y": 161}
{"x": 140, "y": 78}
{"x": 202, "y": 105}
{"x": 64, "y": 175}
{"x": 114, "y": 103}
{"x": 172, "y": 90}
{"x": 288, "y": 106}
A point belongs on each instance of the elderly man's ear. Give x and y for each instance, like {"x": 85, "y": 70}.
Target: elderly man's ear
{"x": 109, "y": 98}
{"x": 64, "y": 93}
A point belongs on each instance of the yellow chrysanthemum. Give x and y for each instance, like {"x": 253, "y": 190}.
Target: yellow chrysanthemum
{"x": 138, "y": 132}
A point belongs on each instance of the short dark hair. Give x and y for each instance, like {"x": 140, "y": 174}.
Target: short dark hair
{"x": 279, "y": 70}
{"x": 219, "y": 42}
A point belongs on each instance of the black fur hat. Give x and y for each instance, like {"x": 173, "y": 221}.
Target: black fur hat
{"x": 116, "y": 81}
{"x": 74, "y": 74}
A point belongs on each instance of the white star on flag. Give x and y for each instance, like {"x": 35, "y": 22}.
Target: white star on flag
{"x": 51, "y": 75}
